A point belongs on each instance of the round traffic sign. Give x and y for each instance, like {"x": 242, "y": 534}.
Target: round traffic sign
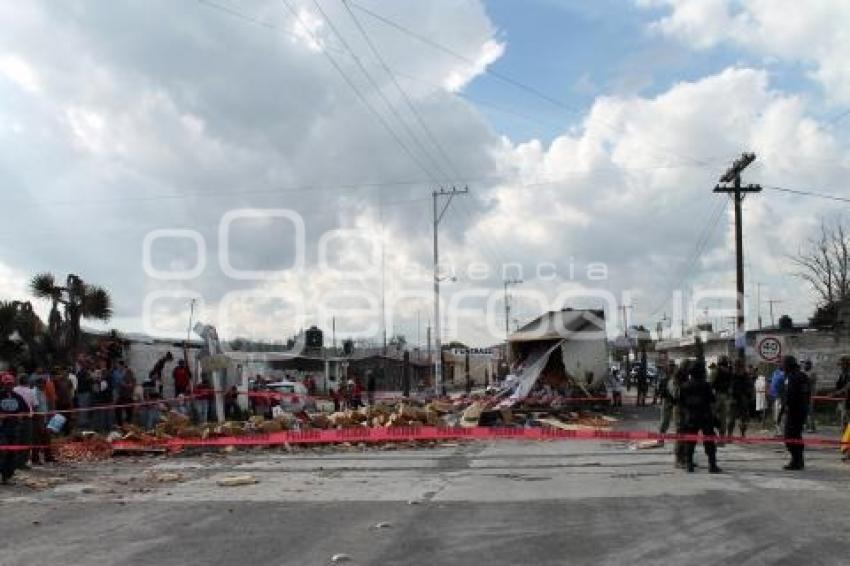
{"x": 770, "y": 349}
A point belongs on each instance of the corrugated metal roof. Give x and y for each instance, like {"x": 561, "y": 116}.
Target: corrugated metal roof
{"x": 558, "y": 325}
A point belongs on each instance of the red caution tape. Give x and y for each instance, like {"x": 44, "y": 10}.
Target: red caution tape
{"x": 431, "y": 433}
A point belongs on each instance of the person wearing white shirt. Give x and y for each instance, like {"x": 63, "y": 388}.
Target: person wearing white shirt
{"x": 761, "y": 397}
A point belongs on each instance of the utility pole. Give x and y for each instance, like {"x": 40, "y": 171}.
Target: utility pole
{"x": 772, "y": 302}
{"x": 730, "y": 183}
{"x": 428, "y": 331}
{"x": 189, "y": 329}
{"x": 661, "y": 324}
{"x": 623, "y": 308}
{"x": 383, "y": 273}
{"x": 438, "y": 215}
{"x": 758, "y": 303}
{"x": 508, "y": 282}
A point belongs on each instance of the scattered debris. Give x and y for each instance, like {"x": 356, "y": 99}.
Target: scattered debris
{"x": 467, "y": 411}
{"x": 168, "y": 477}
{"x": 646, "y": 444}
{"x": 89, "y": 449}
{"x": 41, "y": 483}
{"x": 233, "y": 481}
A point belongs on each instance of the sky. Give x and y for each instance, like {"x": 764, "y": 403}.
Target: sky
{"x": 274, "y": 160}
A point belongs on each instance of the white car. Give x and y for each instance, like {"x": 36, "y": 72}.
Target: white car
{"x": 295, "y": 396}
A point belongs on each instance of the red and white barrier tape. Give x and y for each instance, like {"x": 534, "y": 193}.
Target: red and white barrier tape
{"x": 432, "y": 433}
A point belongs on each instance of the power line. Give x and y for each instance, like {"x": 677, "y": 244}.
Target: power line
{"x": 247, "y": 18}
{"x": 699, "y": 248}
{"x": 495, "y": 74}
{"x": 401, "y": 91}
{"x": 390, "y": 106}
{"x": 357, "y": 91}
{"x": 809, "y": 193}
{"x": 509, "y": 180}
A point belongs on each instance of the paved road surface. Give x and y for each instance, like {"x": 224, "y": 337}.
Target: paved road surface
{"x": 481, "y": 503}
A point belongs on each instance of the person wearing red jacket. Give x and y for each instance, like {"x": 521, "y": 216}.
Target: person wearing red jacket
{"x": 182, "y": 377}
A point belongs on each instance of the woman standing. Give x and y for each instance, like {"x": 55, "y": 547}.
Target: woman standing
{"x": 761, "y": 397}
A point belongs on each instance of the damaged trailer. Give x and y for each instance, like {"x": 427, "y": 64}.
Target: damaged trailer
{"x": 564, "y": 351}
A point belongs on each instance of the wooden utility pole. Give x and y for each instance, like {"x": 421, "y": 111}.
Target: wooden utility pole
{"x": 438, "y": 215}
{"x": 730, "y": 183}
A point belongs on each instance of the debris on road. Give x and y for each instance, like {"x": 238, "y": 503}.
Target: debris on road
{"x": 41, "y": 483}
{"x": 233, "y": 481}
{"x": 337, "y": 558}
{"x": 646, "y": 444}
{"x": 168, "y": 477}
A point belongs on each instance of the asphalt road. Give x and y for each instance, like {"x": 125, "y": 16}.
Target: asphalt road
{"x": 479, "y": 503}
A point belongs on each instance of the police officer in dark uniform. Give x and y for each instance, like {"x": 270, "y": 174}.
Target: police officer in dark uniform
{"x": 12, "y": 406}
{"x": 797, "y": 393}
{"x": 696, "y": 401}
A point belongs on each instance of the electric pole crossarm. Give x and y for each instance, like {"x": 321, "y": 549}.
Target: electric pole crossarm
{"x": 451, "y": 195}
{"x": 733, "y": 190}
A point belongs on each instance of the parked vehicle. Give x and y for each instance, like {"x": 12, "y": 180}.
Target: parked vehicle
{"x": 651, "y": 373}
{"x": 293, "y": 397}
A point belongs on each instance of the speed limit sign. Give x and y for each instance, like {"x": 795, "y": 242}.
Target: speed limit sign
{"x": 770, "y": 349}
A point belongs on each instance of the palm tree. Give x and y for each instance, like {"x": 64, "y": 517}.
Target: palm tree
{"x": 43, "y": 286}
{"x": 84, "y": 301}
{"x": 79, "y": 300}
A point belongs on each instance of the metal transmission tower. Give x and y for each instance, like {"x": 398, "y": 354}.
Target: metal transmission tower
{"x": 730, "y": 183}
{"x": 438, "y": 215}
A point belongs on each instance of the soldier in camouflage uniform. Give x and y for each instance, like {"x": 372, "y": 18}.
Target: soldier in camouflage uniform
{"x": 674, "y": 386}
{"x": 696, "y": 401}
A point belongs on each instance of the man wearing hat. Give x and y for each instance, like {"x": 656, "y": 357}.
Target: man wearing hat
{"x": 12, "y": 405}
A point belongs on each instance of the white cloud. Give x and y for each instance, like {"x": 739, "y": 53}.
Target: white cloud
{"x": 814, "y": 32}
{"x": 173, "y": 121}
{"x": 489, "y": 53}
{"x": 307, "y": 27}
{"x": 635, "y": 188}
{"x": 19, "y": 72}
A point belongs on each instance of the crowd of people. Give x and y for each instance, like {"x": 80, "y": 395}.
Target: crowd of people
{"x": 714, "y": 405}
{"x": 97, "y": 393}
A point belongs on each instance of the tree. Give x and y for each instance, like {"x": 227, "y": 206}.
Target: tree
{"x": 20, "y": 333}
{"x": 43, "y": 286}
{"x": 79, "y": 300}
{"x": 824, "y": 263}
{"x": 84, "y": 301}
